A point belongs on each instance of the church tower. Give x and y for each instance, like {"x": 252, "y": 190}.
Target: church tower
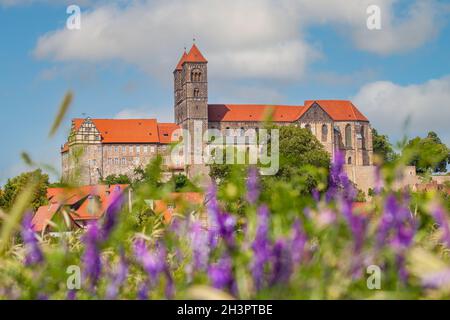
{"x": 191, "y": 104}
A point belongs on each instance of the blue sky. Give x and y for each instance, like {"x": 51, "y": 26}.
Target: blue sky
{"x": 120, "y": 63}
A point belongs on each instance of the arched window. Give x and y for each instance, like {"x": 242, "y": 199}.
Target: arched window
{"x": 348, "y": 136}
{"x": 324, "y": 133}
{"x": 349, "y": 160}
{"x": 196, "y": 75}
{"x": 196, "y": 92}
{"x": 308, "y": 127}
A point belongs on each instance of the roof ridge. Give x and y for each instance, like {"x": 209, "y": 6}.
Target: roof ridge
{"x": 194, "y": 55}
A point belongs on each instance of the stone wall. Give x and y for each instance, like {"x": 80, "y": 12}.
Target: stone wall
{"x": 92, "y": 162}
{"x": 364, "y": 177}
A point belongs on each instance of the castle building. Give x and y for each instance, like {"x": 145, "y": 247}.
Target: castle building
{"x": 119, "y": 146}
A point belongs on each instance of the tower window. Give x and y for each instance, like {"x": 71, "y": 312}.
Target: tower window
{"x": 196, "y": 75}
{"x": 196, "y": 92}
{"x": 349, "y": 160}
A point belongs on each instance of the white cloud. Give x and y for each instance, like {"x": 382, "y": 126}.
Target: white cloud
{"x": 245, "y": 39}
{"x": 11, "y": 3}
{"x": 389, "y": 105}
{"x": 131, "y": 113}
{"x": 230, "y": 93}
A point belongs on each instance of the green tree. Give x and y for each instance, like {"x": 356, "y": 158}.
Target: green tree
{"x": 300, "y": 155}
{"x": 299, "y": 148}
{"x": 382, "y": 147}
{"x": 15, "y": 185}
{"x": 116, "y": 179}
{"x": 428, "y": 154}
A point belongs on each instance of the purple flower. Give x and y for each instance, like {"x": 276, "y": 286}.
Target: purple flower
{"x": 282, "y": 263}
{"x": 111, "y": 214}
{"x": 338, "y": 181}
{"x": 222, "y": 223}
{"x": 316, "y": 195}
{"x": 91, "y": 257}
{"x": 378, "y": 180}
{"x": 298, "y": 242}
{"x": 170, "y": 286}
{"x": 200, "y": 246}
{"x": 212, "y": 206}
{"x": 261, "y": 247}
{"x": 143, "y": 291}
{"x": 441, "y": 219}
{"x": 357, "y": 224}
{"x": 71, "y": 295}
{"x": 397, "y": 225}
{"x": 155, "y": 264}
{"x": 252, "y": 185}
{"x": 221, "y": 275}
{"x": 397, "y": 228}
{"x": 387, "y": 220}
{"x": 402, "y": 272}
{"x": 33, "y": 253}
{"x": 118, "y": 278}
{"x": 152, "y": 262}
{"x": 437, "y": 280}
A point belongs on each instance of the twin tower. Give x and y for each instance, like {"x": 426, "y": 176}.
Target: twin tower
{"x": 191, "y": 100}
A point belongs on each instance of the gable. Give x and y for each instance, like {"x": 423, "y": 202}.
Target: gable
{"x": 315, "y": 113}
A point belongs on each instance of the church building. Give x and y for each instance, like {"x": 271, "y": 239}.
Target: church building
{"x": 118, "y": 146}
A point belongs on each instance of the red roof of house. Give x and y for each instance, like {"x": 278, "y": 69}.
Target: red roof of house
{"x": 125, "y": 130}
{"x": 194, "y": 55}
{"x": 339, "y": 110}
{"x": 180, "y": 199}
{"x": 69, "y": 197}
{"x": 43, "y": 216}
{"x": 180, "y": 63}
{"x": 253, "y": 112}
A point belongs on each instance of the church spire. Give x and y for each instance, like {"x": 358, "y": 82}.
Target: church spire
{"x": 195, "y": 55}
{"x": 180, "y": 63}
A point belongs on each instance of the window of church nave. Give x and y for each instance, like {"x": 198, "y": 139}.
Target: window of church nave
{"x": 308, "y": 127}
{"x": 348, "y": 136}
{"x": 324, "y": 132}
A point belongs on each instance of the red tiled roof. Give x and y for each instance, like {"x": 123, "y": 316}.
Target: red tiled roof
{"x": 104, "y": 195}
{"x": 194, "y": 55}
{"x": 43, "y": 216}
{"x": 125, "y": 130}
{"x": 181, "y": 199}
{"x": 165, "y": 131}
{"x": 339, "y": 110}
{"x": 180, "y": 63}
{"x": 253, "y": 112}
{"x": 69, "y": 197}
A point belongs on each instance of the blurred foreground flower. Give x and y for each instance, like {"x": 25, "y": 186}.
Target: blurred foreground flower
{"x": 33, "y": 253}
